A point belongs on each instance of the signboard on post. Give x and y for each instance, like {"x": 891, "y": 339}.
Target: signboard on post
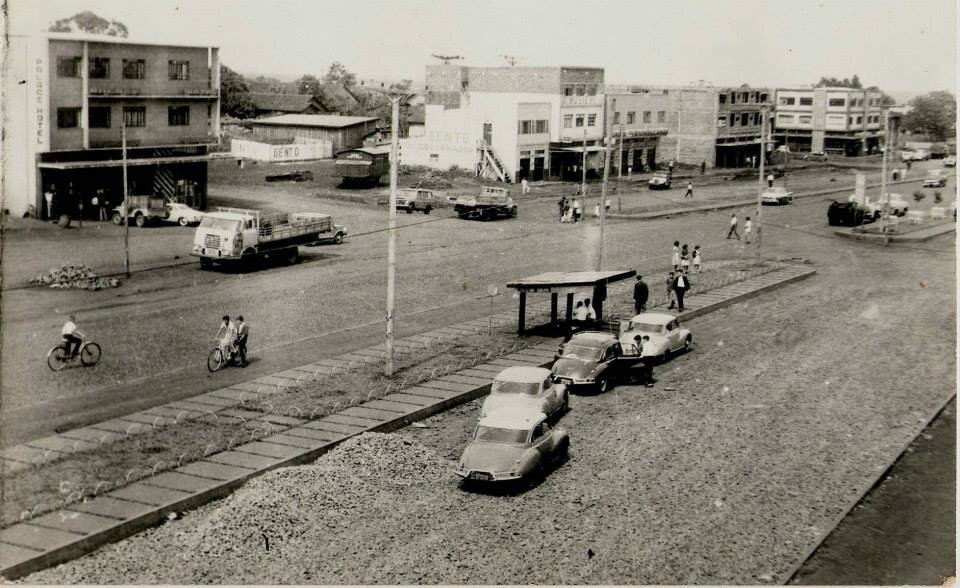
{"x": 860, "y": 189}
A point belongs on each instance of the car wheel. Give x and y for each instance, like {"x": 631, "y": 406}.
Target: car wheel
{"x": 140, "y": 220}
{"x": 183, "y": 221}
{"x": 602, "y": 385}
{"x": 563, "y": 453}
{"x": 117, "y": 219}
{"x": 566, "y": 402}
{"x": 427, "y": 210}
{"x": 686, "y": 343}
{"x": 338, "y": 238}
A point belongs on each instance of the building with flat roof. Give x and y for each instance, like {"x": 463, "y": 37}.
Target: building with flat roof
{"x": 343, "y": 132}
{"x": 841, "y": 121}
{"x": 69, "y": 95}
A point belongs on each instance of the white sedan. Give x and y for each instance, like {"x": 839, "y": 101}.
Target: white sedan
{"x": 523, "y": 388}
{"x": 666, "y": 334}
{"x": 183, "y": 214}
{"x": 776, "y": 195}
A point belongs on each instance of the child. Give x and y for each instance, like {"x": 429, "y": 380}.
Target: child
{"x": 747, "y": 229}
{"x": 684, "y": 262}
{"x": 675, "y": 256}
{"x": 696, "y": 258}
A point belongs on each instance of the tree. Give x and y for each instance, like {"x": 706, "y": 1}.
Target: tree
{"x": 88, "y": 22}
{"x": 235, "y": 94}
{"x": 934, "y": 114}
{"x": 308, "y": 84}
{"x": 853, "y": 82}
{"x": 338, "y": 74}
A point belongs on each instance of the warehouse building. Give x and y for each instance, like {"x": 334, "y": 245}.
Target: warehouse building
{"x": 343, "y": 132}
{"x": 76, "y": 91}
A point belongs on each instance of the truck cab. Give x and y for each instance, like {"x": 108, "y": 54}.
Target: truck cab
{"x": 222, "y": 234}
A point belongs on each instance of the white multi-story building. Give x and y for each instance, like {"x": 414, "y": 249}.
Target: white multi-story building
{"x": 835, "y": 120}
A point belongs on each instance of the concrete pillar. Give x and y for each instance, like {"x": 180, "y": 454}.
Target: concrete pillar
{"x": 522, "y": 316}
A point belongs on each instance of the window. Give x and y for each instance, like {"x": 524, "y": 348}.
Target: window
{"x": 567, "y": 120}
{"x": 178, "y": 70}
{"x": 616, "y": 118}
{"x": 100, "y": 68}
{"x": 763, "y": 97}
{"x": 806, "y": 119}
{"x": 721, "y": 121}
{"x": 592, "y": 90}
{"x": 581, "y": 89}
{"x": 135, "y": 116}
{"x": 541, "y": 126}
{"x": 68, "y": 118}
{"x": 178, "y": 116}
{"x": 733, "y": 97}
{"x": 743, "y": 97}
{"x": 723, "y": 98}
{"x": 784, "y": 118}
{"x": 591, "y": 120}
{"x": 68, "y": 67}
{"x": 788, "y": 101}
{"x": 434, "y": 157}
{"x": 134, "y": 69}
{"x": 99, "y": 117}
{"x": 568, "y": 90}
{"x": 837, "y": 102}
{"x": 806, "y": 101}
{"x": 662, "y": 116}
{"x": 646, "y": 116}
{"x": 631, "y": 117}
{"x": 464, "y": 85}
{"x": 526, "y": 127}
{"x": 859, "y": 120}
{"x": 753, "y": 96}
{"x": 579, "y": 120}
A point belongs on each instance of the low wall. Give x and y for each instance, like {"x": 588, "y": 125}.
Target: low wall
{"x": 297, "y": 151}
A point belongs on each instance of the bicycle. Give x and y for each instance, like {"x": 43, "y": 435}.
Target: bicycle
{"x": 216, "y": 361}
{"x": 89, "y": 354}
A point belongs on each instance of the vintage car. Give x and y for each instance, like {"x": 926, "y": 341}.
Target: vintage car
{"x": 847, "y": 214}
{"x": 950, "y": 161}
{"x": 666, "y": 335}
{"x": 411, "y": 199}
{"x": 776, "y": 195}
{"x": 508, "y": 446}
{"x": 591, "y": 359}
{"x": 183, "y": 214}
{"x": 660, "y": 181}
{"x": 815, "y": 156}
{"x": 936, "y": 178}
{"x": 526, "y": 388}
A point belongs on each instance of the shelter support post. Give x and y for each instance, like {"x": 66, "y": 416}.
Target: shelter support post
{"x": 521, "y": 319}
{"x": 553, "y": 309}
{"x": 569, "y": 309}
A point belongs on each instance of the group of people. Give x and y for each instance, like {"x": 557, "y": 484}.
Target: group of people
{"x": 55, "y": 205}
{"x": 571, "y": 211}
{"x": 747, "y": 228}
{"x": 233, "y": 338}
{"x": 678, "y": 280}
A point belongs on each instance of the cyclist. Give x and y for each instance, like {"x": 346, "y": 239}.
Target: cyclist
{"x": 72, "y": 337}
{"x": 227, "y": 335}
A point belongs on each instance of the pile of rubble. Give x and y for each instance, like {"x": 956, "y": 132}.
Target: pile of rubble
{"x": 71, "y": 275}
{"x": 289, "y": 503}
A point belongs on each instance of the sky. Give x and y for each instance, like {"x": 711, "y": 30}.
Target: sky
{"x": 903, "y": 46}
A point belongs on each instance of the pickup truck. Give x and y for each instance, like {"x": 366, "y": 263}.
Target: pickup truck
{"x": 936, "y": 178}
{"x": 143, "y": 208}
{"x": 490, "y": 203}
{"x": 411, "y": 199}
{"x": 239, "y": 235}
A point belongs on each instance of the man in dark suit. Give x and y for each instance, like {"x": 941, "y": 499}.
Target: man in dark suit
{"x": 681, "y": 283}
{"x": 640, "y": 294}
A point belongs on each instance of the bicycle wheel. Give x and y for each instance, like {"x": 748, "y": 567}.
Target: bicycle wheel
{"x": 215, "y": 360}
{"x": 57, "y": 358}
{"x": 90, "y": 354}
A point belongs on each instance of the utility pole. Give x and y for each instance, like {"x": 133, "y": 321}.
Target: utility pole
{"x": 392, "y": 230}
{"x": 884, "y": 198}
{"x": 126, "y": 204}
{"x": 679, "y": 118}
{"x": 763, "y": 157}
{"x": 603, "y": 190}
{"x": 583, "y": 182}
{"x": 620, "y": 173}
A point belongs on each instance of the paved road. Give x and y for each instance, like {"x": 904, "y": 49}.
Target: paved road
{"x": 158, "y": 327}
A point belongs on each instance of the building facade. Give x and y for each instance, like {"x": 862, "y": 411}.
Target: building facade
{"x": 840, "y": 121}
{"x": 79, "y": 93}
{"x": 742, "y": 113}
{"x": 342, "y": 132}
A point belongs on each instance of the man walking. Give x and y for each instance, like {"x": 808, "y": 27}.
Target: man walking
{"x": 640, "y": 295}
{"x": 243, "y": 333}
{"x": 703, "y": 167}
{"x": 670, "y": 280}
{"x": 770, "y": 180}
{"x": 689, "y": 192}
{"x": 524, "y": 187}
{"x": 48, "y": 197}
{"x": 733, "y": 227}
{"x": 646, "y": 361}
{"x": 680, "y": 285}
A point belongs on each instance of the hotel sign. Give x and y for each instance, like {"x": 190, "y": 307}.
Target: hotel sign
{"x": 40, "y": 102}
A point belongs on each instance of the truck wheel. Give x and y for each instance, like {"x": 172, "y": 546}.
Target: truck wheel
{"x": 409, "y": 210}
{"x": 338, "y": 238}
{"x": 140, "y": 220}
{"x": 205, "y": 263}
{"x": 293, "y": 256}
{"x": 117, "y": 219}
{"x": 427, "y": 210}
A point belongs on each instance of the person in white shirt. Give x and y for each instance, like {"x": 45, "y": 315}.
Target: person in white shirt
{"x": 591, "y": 315}
{"x": 696, "y": 258}
{"x": 524, "y": 186}
{"x": 72, "y": 337}
{"x": 646, "y": 358}
{"x": 227, "y": 335}
{"x": 580, "y": 312}
{"x": 769, "y": 180}
{"x": 747, "y": 228}
{"x": 675, "y": 256}
{"x": 243, "y": 333}
{"x": 733, "y": 227}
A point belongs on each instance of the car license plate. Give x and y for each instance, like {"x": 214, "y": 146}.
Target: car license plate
{"x": 480, "y": 476}
{"x": 566, "y": 381}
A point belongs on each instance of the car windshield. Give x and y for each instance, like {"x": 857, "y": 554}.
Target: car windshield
{"x": 645, "y": 327}
{"x": 581, "y": 352}
{"x": 660, "y": 175}
{"x": 498, "y": 435}
{"x": 222, "y": 224}
{"x": 525, "y": 388}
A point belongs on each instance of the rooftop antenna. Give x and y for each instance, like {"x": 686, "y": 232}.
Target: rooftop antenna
{"x": 511, "y": 60}
{"x": 446, "y": 59}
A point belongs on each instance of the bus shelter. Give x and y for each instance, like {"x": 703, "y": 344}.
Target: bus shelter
{"x": 566, "y": 283}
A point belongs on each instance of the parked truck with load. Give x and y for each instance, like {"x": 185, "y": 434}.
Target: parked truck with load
{"x": 240, "y": 235}
{"x": 144, "y": 210}
{"x": 491, "y": 203}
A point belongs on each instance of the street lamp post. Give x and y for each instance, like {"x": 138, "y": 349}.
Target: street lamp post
{"x": 763, "y": 156}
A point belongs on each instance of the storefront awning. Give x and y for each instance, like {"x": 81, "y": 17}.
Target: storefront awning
{"x": 576, "y": 148}
{"x": 140, "y": 162}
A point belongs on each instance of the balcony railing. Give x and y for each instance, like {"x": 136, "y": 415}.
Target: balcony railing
{"x": 596, "y": 100}
{"x": 124, "y": 92}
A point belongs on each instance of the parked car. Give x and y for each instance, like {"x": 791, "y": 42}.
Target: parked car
{"x": 660, "y": 181}
{"x": 897, "y": 206}
{"x": 526, "y": 388}
{"x": 299, "y": 175}
{"x": 914, "y": 155}
{"x": 815, "y": 156}
{"x": 846, "y": 214}
{"x": 182, "y": 214}
{"x": 950, "y": 161}
{"x": 776, "y": 195}
{"x": 411, "y": 199}
{"x": 508, "y": 447}
{"x": 936, "y": 178}
{"x": 666, "y": 335}
{"x": 592, "y": 359}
